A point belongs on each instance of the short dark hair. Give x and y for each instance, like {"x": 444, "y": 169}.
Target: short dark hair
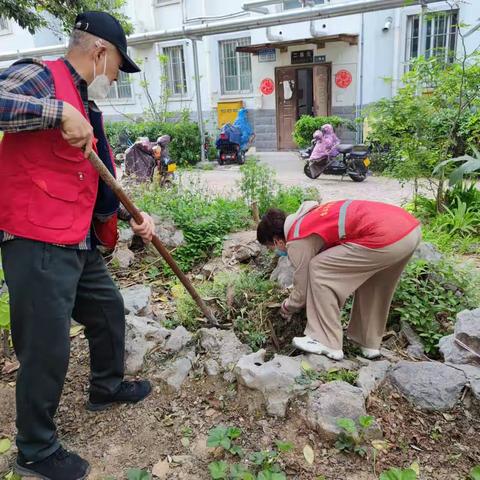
{"x": 271, "y": 226}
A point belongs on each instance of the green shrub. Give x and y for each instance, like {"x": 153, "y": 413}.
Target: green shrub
{"x": 306, "y": 126}
{"x": 185, "y": 145}
{"x": 429, "y": 296}
{"x": 204, "y": 218}
{"x": 258, "y": 183}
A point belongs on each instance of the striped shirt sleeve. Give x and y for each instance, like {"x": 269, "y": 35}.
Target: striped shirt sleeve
{"x": 27, "y": 98}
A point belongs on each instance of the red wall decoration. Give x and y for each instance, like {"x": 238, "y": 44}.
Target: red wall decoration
{"x": 343, "y": 79}
{"x": 267, "y": 86}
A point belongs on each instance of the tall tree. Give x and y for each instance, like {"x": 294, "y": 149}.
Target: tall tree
{"x": 30, "y": 14}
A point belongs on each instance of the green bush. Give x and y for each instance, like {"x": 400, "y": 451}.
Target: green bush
{"x": 204, "y": 218}
{"x": 306, "y": 126}
{"x": 185, "y": 145}
{"x": 258, "y": 183}
{"x": 429, "y": 296}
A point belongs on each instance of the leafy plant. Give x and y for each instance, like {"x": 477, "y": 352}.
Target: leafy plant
{"x": 352, "y": 437}
{"x": 429, "y": 296}
{"x": 137, "y": 474}
{"x": 262, "y": 465}
{"x": 398, "y": 474}
{"x": 460, "y": 220}
{"x": 309, "y": 375}
{"x": 475, "y": 473}
{"x": 306, "y": 126}
{"x": 241, "y": 298}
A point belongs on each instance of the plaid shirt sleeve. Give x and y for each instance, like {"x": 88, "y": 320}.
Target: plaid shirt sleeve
{"x": 27, "y": 98}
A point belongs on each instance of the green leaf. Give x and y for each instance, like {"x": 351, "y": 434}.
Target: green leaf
{"x": 475, "y": 473}
{"x": 137, "y": 474}
{"x": 5, "y": 445}
{"x": 267, "y": 474}
{"x": 238, "y": 471}
{"x": 218, "y": 470}
{"x": 397, "y": 474}
{"x": 259, "y": 457}
{"x": 284, "y": 447}
{"x": 237, "y": 450}
{"x": 217, "y": 437}
{"x": 366, "y": 421}
{"x": 348, "y": 425}
{"x": 234, "y": 432}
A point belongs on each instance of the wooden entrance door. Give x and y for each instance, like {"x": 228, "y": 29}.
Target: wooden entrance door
{"x": 288, "y": 98}
{"x": 285, "y": 79}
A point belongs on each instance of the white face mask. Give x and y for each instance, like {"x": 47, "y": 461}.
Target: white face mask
{"x": 99, "y": 88}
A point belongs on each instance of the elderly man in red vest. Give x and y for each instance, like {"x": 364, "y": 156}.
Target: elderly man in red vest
{"x": 54, "y": 211}
{"x": 339, "y": 249}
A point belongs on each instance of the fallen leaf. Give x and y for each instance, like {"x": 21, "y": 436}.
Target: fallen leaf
{"x": 185, "y": 442}
{"x": 448, "y": 417}
{"x": 76, "y": 330}
{"x": 308, "y": 454}
{"x": 5, "y": 445}
{"x": 161, "y": 469}
{"x": 415, "y": 467}
{"x": 10, "y": 367}
{"x": 380, "y": 445}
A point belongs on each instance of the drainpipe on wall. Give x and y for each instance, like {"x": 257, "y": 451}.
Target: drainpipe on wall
{"x": 397, "y": 61}
{"x": 361, "y": 75}
{"x": 198, "y": 95}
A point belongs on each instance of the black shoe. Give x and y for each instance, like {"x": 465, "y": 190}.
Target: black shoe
{"x": 60, "y": 465}
{"x": 129, "y": 392}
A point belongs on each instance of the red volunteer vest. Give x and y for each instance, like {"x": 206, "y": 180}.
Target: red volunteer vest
{"x": 47, "y": 188}
{"x": 369, "y": 224}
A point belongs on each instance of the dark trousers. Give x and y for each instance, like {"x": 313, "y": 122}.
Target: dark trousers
{"x": 48, "y": 286}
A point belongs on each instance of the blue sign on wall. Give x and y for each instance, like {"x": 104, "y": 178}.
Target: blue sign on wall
{"x": 267, "y": 55}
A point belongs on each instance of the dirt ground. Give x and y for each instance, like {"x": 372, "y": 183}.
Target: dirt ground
{"x": 445, "y": 445}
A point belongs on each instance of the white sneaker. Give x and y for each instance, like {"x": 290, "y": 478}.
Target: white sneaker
{"x": 308, "y": 344}
{"x": 370, "y": 353}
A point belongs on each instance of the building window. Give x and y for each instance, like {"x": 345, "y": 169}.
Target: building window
{"x": 440, "y": 38}
{"x": 4, "y": 26}
{"x": 289, "y": 4}
{"x": 235, "y": 67}
{"x": 175, "y": 70}
{"x": 122, "y": 88}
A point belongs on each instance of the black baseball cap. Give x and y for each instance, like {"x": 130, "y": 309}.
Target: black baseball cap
{"x": 104, "y": 25}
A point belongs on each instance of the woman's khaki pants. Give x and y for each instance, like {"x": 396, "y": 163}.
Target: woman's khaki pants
{"x": 373, "y": 274}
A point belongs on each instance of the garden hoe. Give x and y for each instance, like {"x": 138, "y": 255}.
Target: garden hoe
{"x": 108, "y": 178}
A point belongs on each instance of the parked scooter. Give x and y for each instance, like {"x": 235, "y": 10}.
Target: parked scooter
{"x": 235, "y": 140}
{"x": 352, "y": 160}
{"x": 165, "y": 165}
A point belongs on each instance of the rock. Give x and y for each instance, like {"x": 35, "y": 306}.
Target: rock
{"x": 123, "y": 257}
{"x": 283, "y": 273}
{"x": 142, "y": 334}
{"x": 371, "y": 376}
{"x": 467, "y": 332}
{"x": 324, "y": 364}
{"x": 167, "y": 232}
{"x": 241, "y": 247}
{"x": 212, "y": 367}
{"x": 212, "y": 267}
{"x": 125, "y": 236}
{"x": 472, "y": 373}
{"x": 223, "y": 346}
{"x": 428, "y": 385}
{"x": 275, "y": 379}
{"x": 428, "y": 252}
{"x": 175, "y": 373}
{"x": 415, "y": 347}
{"x": 179, "y": 338}
{"x": 331, "y": 402}
{"x": 137, "y": 300}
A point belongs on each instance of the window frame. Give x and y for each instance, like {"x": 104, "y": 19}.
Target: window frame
{"x": 8, "y": 26}
{"x": 430, "y": 48}
{"x": 239, "y": 41}
{"x": 170, "y": 70}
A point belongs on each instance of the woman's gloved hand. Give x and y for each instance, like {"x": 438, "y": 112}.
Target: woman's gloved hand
{"x": 284, "y": 313}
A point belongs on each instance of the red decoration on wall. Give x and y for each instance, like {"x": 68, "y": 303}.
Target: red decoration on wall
{"x": 343, "y": 79}
{"x": 267, "y": 86}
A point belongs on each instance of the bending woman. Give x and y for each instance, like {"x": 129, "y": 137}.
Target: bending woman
{"x": 340, "y": 248}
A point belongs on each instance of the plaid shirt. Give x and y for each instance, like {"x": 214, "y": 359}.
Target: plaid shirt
{"x": 27, "y": 102}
